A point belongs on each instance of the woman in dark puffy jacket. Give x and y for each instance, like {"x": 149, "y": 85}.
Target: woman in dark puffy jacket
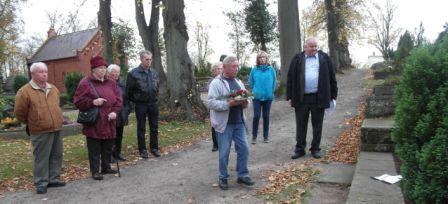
{"x": 96, "y": 90}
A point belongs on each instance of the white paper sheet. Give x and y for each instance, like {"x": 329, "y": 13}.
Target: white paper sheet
{"x": 388, "y": 178}
{"x": 330, "y": 110}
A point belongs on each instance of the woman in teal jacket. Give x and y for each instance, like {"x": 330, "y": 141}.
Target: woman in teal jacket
{"x": 262, "y": 81}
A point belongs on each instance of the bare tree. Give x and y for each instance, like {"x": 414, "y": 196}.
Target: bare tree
{"x": 184, "y": 95}
{"x": 68, "y": 21}
{"x": 238, "y": 35}
{"x": 288, "y": 23}
{"x": 105, "y": 22}
{"x": 385, "y": 33}
{"x": 333, "y": 17}
{"x": 202, "y": 44}
{"x": 151, "y": 40}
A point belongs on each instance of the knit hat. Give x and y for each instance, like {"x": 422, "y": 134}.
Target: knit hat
{"x": 97, "y": 61}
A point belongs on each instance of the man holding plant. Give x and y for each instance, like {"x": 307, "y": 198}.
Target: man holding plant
{"x": 228, "y": 119}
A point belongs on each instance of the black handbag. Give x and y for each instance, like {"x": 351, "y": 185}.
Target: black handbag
{"x": 89, "y": 117}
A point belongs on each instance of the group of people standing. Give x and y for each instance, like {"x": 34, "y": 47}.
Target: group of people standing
{"x": 37, "y": 106}
{"x": 311, "y": 85}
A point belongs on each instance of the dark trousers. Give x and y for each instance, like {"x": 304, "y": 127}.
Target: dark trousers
{"x": 118, "y": 141}
{"x": 261, "y": 107}
{"x": 143, "y": 110}
{"x": 215, "y": 141}
{"x": 99, "y": 150}
{"x": 303, "y": 110}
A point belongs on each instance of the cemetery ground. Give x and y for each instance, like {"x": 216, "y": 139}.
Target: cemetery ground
{"x": 187, "y": 171}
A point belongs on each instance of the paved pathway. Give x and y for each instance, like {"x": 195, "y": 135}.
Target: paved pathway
{"x": 189, "y": 175}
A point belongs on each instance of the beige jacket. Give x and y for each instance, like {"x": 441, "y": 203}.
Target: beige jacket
{"x": 39, "y": 108}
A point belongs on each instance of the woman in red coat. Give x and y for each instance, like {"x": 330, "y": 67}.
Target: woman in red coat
{"x": 96, "y": 90}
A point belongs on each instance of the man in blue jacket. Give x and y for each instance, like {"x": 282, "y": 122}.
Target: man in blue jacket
{"x": 311, "y": 85}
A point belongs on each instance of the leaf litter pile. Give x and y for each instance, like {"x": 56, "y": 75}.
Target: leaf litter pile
{"x": 289, "y": 184}
{"x": 346, "y": 148}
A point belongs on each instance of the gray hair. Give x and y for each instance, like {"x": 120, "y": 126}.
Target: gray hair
{"x": 312, "y": 39}
{"x": 216, "y": 65}
{"x": 145, "y": 52}
{"x": 229, "y": 59}
{"x": 37, "y": 65}
{"x": 113, "y": 67}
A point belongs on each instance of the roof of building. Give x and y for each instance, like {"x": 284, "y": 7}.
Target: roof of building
{"x": 63, "y": 46}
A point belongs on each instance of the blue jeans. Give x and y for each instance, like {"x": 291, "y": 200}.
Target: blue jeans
{"x": 265, "y": 107}
{"x": 237, "y": 133}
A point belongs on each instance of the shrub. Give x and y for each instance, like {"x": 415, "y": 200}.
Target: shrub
{"x": 71, "y": 81}
{"x": 19, "y": 81}
{"x": 422, "y": 124}
{"x": 244, "y": 72}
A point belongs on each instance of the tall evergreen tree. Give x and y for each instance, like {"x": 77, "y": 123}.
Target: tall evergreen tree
{"x": 260, "y": 23}
{"x": 405, "y": 45}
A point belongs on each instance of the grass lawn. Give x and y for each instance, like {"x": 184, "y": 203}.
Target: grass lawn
{"x": 16, "y": 160}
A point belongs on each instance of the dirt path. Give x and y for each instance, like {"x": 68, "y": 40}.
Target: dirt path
{"x": 190, "y": 175}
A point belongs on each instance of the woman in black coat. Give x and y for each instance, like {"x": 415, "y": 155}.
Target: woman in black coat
{"x": 113, "y": 73}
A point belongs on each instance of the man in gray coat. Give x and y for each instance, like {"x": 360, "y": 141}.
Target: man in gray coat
{"x": 228, "y": 118}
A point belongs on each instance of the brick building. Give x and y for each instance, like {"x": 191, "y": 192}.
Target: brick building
{"x": 67, "y": 53}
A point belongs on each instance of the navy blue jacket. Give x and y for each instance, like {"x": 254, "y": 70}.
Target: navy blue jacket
{"x": 142, "y": 87}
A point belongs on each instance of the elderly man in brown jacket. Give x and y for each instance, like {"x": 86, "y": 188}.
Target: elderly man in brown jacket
{"x": 37, "y": 106}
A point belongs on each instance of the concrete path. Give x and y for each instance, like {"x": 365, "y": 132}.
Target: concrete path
{"x": 190, "y": 175}
{"x": 364, "y": 189}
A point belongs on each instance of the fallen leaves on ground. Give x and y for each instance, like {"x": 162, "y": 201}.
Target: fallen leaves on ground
{"x": 346, "y": 148}
{"x": 72, "y": 172}
{"x": 290, "y": 183}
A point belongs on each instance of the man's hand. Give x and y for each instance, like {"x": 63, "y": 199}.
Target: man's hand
{"x": 99, "y": 101}
{"x": 233, "y": 102}
{"x": 244, "y": 103}
{"x": 112, "y": 116}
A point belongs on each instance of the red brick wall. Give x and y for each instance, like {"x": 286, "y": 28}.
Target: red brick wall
{"x": 57, "y": 69}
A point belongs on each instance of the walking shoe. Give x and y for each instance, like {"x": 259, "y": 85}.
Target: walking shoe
{"x": 254, "y": 140}
{"x": 214, "y": 149}
{"x": 155, "y": 153}
{"x": 246, "y": 181}
{"x": 316, "y": 154}
{"x": 109, "y": 171}
{"x": 266, "y": 140}
{"x": 97, "y": 176}
{"x": 223, "y": 184}
{"x": 144, "y": 155}
{"x": 41, "y": 189}
{"x": 56, "y": 184}
{"x": 298, "y": 155}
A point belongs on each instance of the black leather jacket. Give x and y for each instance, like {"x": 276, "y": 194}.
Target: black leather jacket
{"x": 142, "y": 86}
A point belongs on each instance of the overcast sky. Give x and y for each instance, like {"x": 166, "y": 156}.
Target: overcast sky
{"x": 409, "y": 14}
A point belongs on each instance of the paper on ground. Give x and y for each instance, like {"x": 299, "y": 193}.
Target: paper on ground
{"x": 388, "y": 178}
{"x": 330, "y": 110}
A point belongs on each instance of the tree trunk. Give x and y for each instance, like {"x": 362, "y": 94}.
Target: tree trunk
{"x": 105, "y": 22}
{"x": 344, "y": 62}
{"x": 150, "y": 39}
{"x": 184, "y": 95}
{"x": 288, "y": 23}
{"x": 332, "y": 29}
